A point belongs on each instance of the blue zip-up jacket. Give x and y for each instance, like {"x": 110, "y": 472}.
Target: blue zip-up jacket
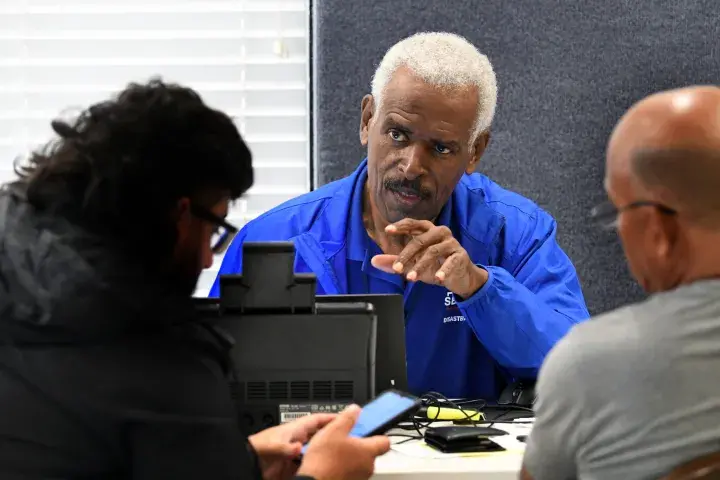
{"x": 462, "y": 349}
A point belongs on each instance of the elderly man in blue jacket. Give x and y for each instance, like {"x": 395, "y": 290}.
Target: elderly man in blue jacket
{"x": 487, "y": 289}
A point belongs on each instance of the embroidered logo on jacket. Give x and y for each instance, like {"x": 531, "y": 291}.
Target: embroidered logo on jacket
{"x": 452, "y": 311}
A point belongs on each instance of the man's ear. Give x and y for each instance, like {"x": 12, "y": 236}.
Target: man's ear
{"x": 666, "y": 231}
{"x": 367, "y": 110}
{"x": 479, "y": 147}
{"x": 182, "y": 208}
{"x": 182, "y": 216}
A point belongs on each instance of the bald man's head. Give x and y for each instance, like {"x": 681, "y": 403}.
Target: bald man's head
{"x": 663, "y": 175}
{"x": 667, "y": 147}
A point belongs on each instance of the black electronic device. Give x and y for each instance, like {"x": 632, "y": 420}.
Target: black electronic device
{"x": 383, "y": 413}
{"x": 291, "y": 365}
{"x": 289, "y": 358}
{"x": 462, "y": 439}
{"x": 268, "y": 283}
{"x": 519, "y": 394}
{"x": 390, "y": 363}
{"x": 515, "y": 402}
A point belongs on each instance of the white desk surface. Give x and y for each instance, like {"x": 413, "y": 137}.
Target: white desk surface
{"x": 415, "y": 460}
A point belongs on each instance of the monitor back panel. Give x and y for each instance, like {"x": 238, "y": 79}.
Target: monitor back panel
{"x": 390, "y": 366}
{"x": 310, "y": 360}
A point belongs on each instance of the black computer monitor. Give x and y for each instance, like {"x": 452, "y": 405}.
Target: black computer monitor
{"x": 289, "y": 365}
{"x": 390, "y": 362}
{"x": 290, "y": 358}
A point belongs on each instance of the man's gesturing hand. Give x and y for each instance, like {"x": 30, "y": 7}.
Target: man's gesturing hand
{"x": 432, "y": 256}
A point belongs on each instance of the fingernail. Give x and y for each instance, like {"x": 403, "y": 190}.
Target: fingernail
{"x": 440, "y": 275}
{"x": 398, "y": 267}
{"x": 390, "y": 228}
{"x": 412, "y": 276}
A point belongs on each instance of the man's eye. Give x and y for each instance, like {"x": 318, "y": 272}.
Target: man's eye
{"x": 397, "y": 136}
{"x": 442, "y": 149}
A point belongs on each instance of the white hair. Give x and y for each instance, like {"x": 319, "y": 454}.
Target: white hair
{"x": 442, "y": 59}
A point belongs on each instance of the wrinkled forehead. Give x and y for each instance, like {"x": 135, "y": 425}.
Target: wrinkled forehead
{"x": 409, "y": 95}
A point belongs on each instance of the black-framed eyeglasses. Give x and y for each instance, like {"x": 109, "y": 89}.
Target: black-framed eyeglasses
{"x": 223, "y": 233}
{"x": 607, "y": 214}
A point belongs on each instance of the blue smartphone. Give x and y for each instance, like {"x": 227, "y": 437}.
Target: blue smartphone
{"x": 383, "y": 413}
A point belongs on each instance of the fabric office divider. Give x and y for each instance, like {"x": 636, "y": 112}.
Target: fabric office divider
{"x": 566, "y": 72}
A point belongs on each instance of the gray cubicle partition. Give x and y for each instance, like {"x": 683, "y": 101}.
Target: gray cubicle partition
{"x": 566, "y": 71}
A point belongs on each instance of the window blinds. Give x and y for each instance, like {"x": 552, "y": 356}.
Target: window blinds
{"x": 246, "y": 57}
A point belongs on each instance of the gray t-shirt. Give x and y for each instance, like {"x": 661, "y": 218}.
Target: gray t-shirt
{"x": 631, "y": 394}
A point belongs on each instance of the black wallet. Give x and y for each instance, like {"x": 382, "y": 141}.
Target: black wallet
{"x": 463, "y": 439}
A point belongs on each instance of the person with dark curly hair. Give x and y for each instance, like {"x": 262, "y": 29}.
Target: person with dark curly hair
{"x": 104, "y": 371}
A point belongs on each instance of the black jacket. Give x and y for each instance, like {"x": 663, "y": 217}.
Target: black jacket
{"x": 103, "y": 373}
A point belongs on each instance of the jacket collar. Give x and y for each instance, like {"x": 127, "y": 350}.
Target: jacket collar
{"x": 324, "y": 247}
{"x": 340, "y": 234}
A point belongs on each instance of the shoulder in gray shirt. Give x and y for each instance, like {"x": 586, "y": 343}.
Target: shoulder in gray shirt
{"x": 631, "y": 394}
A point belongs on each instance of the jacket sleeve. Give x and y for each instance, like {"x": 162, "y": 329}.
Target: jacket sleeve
{"x": 167, "y": 447}
{"x": 529, "y": 302}
{"x": 185, "y": 425}
{"x": 231, "y": 263}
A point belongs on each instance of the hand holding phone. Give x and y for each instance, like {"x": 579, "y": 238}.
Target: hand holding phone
{"x": 333, "y": 453}
{"x": 383, "y": 413}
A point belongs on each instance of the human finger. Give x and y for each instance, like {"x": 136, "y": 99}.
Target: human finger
{"x": 432, "y": 258}
{"x": 309, "y": 425}
{"x": 451, "y": 264}
{"x": 343, "y": 422}
{"x": 409, "y": 226}
{"x": 417, "y": 245}
{"x": 384, "y": 262}
{"x": 376, "y": 445}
